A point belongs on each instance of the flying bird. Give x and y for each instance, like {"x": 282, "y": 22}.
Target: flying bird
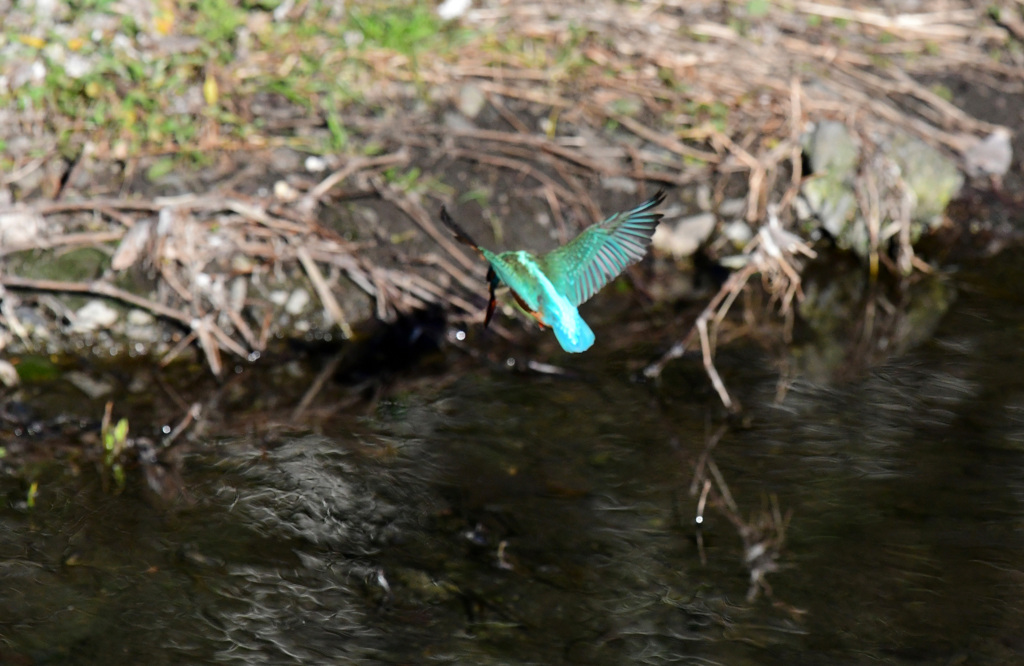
{"x": 552, "y": 286}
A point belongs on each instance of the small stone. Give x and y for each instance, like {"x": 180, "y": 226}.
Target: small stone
{"x": 471, "y": 100}
{"x": 315, "y": 164}
{"x": 33, "y": 322}
{"x": 990, "y": 156}
{"x": 833, "y": 154}
{"x": 453, "y": 9}
{"x": 931, "y": 175}
{"x": 203, "y": 281}
{"x": 738, "y": 232}
{"x": 619, "y": 184}
{"x": 133, "y": 245}
{"x": 8, "y": 375}
{"x": 297, "y": 302}
{"x": 141, "y": 328}
{"x": 238, "y": 290}
{"x": 458, "y": 122}
{"x": 286, "y": 160}
{"x": 26, "y": 73}
{"x": 242, "y": 264}
{"x": 703, "y": 196}
{"x": 284, "y": 192}
{"x": 732, "y": 207}
{"x": 831, "y": 148}
{"x": 94, "y": 315}
{"x": 77, "y": 66}
{"x": 682, "y": 238}
{"x": 90, "y": 386}
{"x": 140, "y": 318}
{"x": 19, "y": 228}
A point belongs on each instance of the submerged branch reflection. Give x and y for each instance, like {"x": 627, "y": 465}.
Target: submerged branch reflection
{"x": 763, "y": 533}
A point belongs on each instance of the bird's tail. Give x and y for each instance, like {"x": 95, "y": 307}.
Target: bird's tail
{"x": 575, "y": 336}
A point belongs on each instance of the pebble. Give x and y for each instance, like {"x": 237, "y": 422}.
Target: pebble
{"x": 738, "y": 232}
{"x": 315, "y": 164}
{"x": 94, "y": 315}
{"x": 90, "y": 386}
{"x": 682, "y": 238}
{"x": 471, "y": 100}
{"x": 140, "y": 318}
{"x": 19, "y": 228}
{"x": 297, "y": 302}
{"x": 619, "y": 184}
{"x": 458, "y": 122}
{"x": 8, "y": 375}
{"x": 991, "y": 155}
{"x": 453, "y": 9}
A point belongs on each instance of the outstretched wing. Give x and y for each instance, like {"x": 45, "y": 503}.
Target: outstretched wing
{"x": 597, "y": 256}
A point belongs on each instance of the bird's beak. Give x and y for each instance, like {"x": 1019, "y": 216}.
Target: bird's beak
{"x": 492, "y": 280}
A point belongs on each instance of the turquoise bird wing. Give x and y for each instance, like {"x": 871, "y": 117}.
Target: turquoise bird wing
{"x": 599, "y": 254}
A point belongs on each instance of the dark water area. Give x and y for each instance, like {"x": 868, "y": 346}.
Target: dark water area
{"x": 487, "y": 516}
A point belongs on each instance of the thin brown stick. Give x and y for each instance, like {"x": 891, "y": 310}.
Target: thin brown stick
{"x": 203, "y": 329}
{"x": 354, "y": 165}
{"x": 318, "y": 384}
{"x": 663, "y": 140}
{"x": 417, "y": 214}
{"x": 65, "y": 240}
{"x": 177, "y": 349}
{"x": 514, "y": 165}
{"x": 323, "y": 291}
{"x": 505, "y": 113}
{"x": 98, "y": 288}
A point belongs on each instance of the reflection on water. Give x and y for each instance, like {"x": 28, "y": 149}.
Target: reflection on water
{"x": 522, "y": 519}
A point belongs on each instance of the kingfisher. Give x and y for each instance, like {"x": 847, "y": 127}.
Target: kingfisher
{"x": 552, "y": 286}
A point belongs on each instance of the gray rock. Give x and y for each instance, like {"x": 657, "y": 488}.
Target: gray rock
{"x": 297, "y": 302}
{"x": 683, "y": 237}
{"x": 93, "y": 316}
{"x": 831, "y": 149}
{"x": 471, "y": 100}
{"x": 833, "y": 155}
{"x": 458, "y": 122}
{"x": 990, "y": 156}
{"x": 8, "y": 374}
{"x": 931, "y": 175}
{"x": 738, "y": 232}
{"x": 90, "y": 386}
{"x": 19, "y": 227}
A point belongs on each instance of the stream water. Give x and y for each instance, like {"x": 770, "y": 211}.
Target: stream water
{"x": 488, "y": 516}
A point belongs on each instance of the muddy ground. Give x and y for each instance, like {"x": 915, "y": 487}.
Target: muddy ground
{"x": 279, "y": 217}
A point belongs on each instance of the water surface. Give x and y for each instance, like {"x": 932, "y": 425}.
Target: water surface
{"x": 490, "y": 516}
